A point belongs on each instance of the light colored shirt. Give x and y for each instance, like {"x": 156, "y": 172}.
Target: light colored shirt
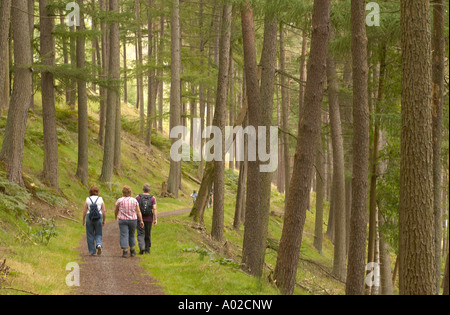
{"x": 94, "y": 199}
{"x": 127, "y": 208}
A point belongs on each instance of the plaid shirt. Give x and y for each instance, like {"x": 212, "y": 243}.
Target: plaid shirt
{"x": 127, "y": 208}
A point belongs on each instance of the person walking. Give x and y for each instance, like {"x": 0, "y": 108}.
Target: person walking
{"x": 194, "y": 196}
{"x": 128, "y": 215}
{"x": 147, "y": 205}
{"x": 94, "y": 216}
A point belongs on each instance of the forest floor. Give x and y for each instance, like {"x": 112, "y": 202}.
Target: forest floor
{"x": 110, "y": 273}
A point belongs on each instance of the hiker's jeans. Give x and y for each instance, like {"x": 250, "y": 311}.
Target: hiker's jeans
{"x": 127, "y": 233}
{"x": 94, "y": 234}
{"x": 144, "y": 236}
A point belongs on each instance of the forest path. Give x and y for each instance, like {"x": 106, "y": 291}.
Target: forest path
{"x": 110, "y": 273}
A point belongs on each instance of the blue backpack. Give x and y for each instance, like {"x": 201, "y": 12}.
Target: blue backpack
{"x": 94, "y": 213}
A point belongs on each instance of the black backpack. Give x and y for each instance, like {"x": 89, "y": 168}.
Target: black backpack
{"x": 94, "y": 213}
{"x": 146, "y": 205}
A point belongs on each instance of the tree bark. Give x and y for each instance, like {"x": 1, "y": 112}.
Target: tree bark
{"x": 438, "y": 72}
{"x": 152, "y": 85}
{"x": 140, "y": 79}
{"x": 13, "y": 142}
{"x": 358, "y": 220}
{"x": 161, "y": 72}
{"x": 417, "y": 269}
{"x": 268, "y": 62}
{"x": 112, "y": 95}
{"x": 251, "y": 251}
{"x": 338, "y": 171}
{"x": 373, "y": 211}
{"x": 47, "y": 40}
{"x": 173, "y": 182}
{"x": 83, "y": 139}
{"x": 309, "y": 131}
{"x": 320, "y": 193}
{"x": 5, "y": 21}
{"x": 219, "y": 121}
{"x": 387, "y": 287}
{"x": 446, "y": 279}
{"x": 285, "y": 117}
{"x": 103, "y": 4}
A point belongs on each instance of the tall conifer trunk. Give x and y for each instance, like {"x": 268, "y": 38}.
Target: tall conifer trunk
{"x": 309, "y": 131}
{"x": 13, "y": 142}
{"x": 416, "y": 239}
{"x": 358, "y": 217}
{"x": 47, "y": 24}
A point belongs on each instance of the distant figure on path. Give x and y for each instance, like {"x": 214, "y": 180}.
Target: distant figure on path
{"x": 147, "y": 205}
{"x": 194, "y": 195}
{"x": 127, "y": 212}
{"x": 211, "y": 197}
{"x": 94, "y": 216}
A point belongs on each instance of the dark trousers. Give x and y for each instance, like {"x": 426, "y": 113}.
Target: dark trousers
{"x": 144, "y": 237}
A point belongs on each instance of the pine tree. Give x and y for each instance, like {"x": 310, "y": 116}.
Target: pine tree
{"x": 219, "y": 121}
{"x": 358, "y": 220}
{"x": 13, "y": 142}
{"x": 47, "y": 40}
{"x": 83, "y": 138}
{"x": 309, "y": 131}
{"x": 416, "y": 240}
{"x": 112, "y": 95}
{"x": 174, "y": 180}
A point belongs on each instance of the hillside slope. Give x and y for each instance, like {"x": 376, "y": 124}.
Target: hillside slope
{"x": 40, "y": 229}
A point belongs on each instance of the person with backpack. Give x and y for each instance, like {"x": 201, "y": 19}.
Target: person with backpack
{"x": 94, "y": 216}
{"x": 147, "y": 205}
{"x": 129, "y": 216}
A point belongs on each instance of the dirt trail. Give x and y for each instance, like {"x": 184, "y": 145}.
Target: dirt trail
{"x": 110, "y": 273}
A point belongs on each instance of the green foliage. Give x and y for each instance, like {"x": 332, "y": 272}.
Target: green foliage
{"x": 203, "y": 253}
{"x": 13, "y": 198}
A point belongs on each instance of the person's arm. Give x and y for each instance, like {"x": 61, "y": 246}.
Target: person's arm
{"x": 155, "y": 215}
{"x": 116, "y": 211}
{"x": 139, "y": 215}
{"x": 84, "y": 213}
{"x": 103, "y": 213}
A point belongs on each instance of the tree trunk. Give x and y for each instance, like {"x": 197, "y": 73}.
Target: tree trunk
{"x": 285, "y": 117}
{"x": 5, "y": 14}
{"x": 152, "y": 86}
{"x": 417, "y": 270}
{"x": 219, "y": 121}
{"x": 208, "y": 176}
{"x": 338, "y": 172}
{"x": 173, "y": 182}
{"x": 104, "y": 73}
{"x": 387, "y": 287}
{"x": 125, "y": 70}
{"x": 358, "y": 220}
{"x": 268, "y": 62}
{"x": 446, "y": 279}
{"x": 83, "y": 138}
{"x": 201, "y": 92}
{"x": 438, "y": 64}
{"x": 161, "y": 72}
{"x": 140, "y": 79}
{"x": 112, "y": 95}
{"x": 13, "y": 142}
{"x": 320, "y": 192}
{"x": 251, "y": 250}
{"x": 50, "y": 172}
{"x": 309, "y": 131}
{"x": 240, "y": 196}
{"x": 374, "y": 159}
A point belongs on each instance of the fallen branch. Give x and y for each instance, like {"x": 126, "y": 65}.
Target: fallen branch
{"x": 20, "y": 290}
{"x": 67, "y": 218}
